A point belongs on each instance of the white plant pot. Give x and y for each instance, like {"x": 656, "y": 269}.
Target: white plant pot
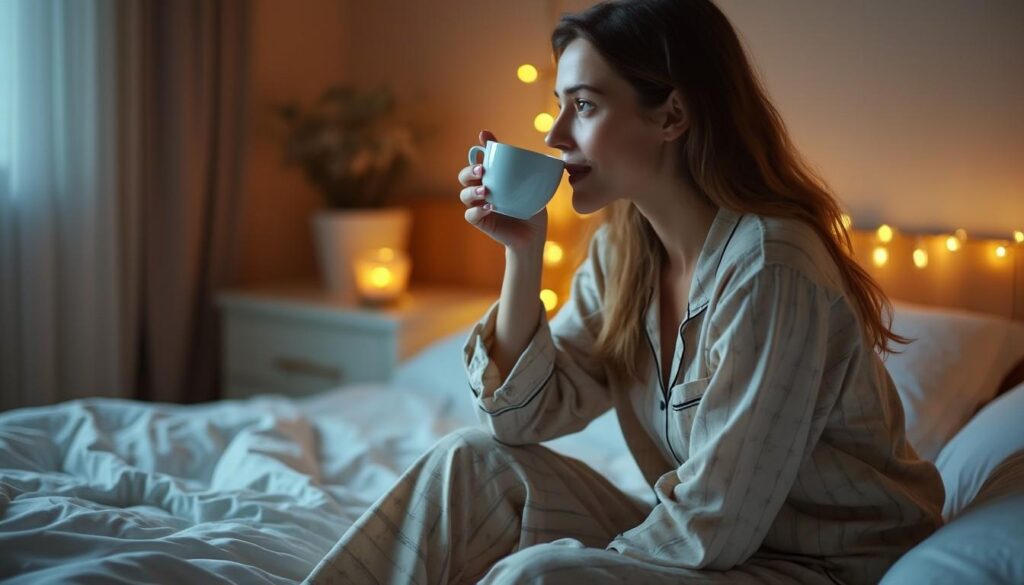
{"x": 341, "y": 235}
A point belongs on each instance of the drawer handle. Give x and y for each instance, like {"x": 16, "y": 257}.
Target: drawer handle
{"x": 307, "y": 368}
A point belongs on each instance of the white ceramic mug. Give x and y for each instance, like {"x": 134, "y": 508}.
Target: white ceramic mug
{"x": 519, "y": 182}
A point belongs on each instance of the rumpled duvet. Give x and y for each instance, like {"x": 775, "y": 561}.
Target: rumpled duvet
{"x": 253, "y": 491}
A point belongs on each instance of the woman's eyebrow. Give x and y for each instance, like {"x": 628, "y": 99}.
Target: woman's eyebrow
{"x": 575, "y": 88}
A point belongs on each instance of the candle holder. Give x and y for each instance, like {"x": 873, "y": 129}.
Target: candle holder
{"x": 382, "y": 275}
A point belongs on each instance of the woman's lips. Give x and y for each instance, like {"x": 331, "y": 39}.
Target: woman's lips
{"x": 577, "y": 172}
{"x": 578, "y": 176}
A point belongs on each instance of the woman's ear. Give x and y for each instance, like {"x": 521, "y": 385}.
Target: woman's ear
{"x": 673, "y": 116}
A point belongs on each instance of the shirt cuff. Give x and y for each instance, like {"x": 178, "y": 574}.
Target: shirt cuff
{"x": 528, "y": 375}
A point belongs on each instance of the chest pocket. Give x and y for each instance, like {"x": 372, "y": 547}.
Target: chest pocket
{"x": 683, "y": 401}
{"x": 687, "y": 395}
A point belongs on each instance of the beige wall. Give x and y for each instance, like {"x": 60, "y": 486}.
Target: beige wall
{"x": 913, "y": 111}
{"x": 298, "y": 50}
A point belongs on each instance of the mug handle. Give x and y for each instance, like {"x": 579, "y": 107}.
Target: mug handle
{"x": 473, "y": 151}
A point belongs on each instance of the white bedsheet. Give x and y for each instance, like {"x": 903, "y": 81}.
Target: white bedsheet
{"x": 252, "y": 491}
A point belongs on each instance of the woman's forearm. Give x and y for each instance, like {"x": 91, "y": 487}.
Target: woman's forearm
{"x": 518, "y": 307}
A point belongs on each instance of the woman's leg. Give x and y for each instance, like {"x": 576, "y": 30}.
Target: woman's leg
{"x": 469, "y": 502}
{"x": 570, "y": 563}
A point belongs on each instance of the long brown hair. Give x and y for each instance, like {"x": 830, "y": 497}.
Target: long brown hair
{"x": 736, "y": 150}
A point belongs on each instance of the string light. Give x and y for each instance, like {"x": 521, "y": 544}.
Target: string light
{"x": 543, "y": 122}
{"x": 549, "y": 298}
{"x": 884, "y": 233}
{"x": 880, "y": 256}
{"x": 920, "y": 255}
{"x": 955, "y": 242}
{"x": 553, "y": 253}
{"x": 527, "y": 73}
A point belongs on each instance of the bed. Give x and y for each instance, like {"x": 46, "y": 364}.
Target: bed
{"x": 258, "y": 490}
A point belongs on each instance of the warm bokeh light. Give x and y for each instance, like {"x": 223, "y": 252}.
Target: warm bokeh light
{"x": 880, "y": 256}
{"x": 884, "y": 233}
{"x": 380, "y": 276}
{"x": 543, "y": 122}
{"x": 847, "y": 220}
{"x": 549, "y": 298}
{"x": 920, "y": 257}
{"x": 961, "y": 234}
{"x": 952, "y": 243}
{"x": 1018, "y": 236}
{"x": 527, "y": 73}
{"x": 1000, "y": 251}
{"x": 553, "y": 253}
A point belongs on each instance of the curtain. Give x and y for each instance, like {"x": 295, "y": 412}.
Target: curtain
{"x": 121, "y": 144}
{"x": 185, "y": 69}
{"x": 59, "y": 304}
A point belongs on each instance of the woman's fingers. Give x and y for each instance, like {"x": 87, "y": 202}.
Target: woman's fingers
{"x": 475, "y": 215}
{"x": 473, "y": 195}
{"x": 471, "y": 175}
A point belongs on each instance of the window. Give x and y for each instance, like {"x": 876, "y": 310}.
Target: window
{"x": 8, "y": 54}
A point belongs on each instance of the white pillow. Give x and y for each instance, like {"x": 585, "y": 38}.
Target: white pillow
{"x": 967, "y": 461}
{"x": 955, "y": 365}
{"x": 438, "y": 371}
{"x": 982, "y": 546}
{"x": 953, "y": 368}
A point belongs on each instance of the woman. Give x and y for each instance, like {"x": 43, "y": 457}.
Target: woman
{"x": 719, "y": 312}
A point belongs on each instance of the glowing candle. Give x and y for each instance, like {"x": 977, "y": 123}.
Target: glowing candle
{"x": 382, "y": 274}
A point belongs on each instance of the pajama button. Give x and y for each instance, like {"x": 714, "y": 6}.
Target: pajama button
{"x": 661, "y": 405}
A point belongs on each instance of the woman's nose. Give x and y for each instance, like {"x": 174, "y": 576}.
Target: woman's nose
{"x": 557, "y": 137}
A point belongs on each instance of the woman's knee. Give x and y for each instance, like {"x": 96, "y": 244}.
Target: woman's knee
{"x": 473, "y": 442}
{"x": 464, "y": 451}
{"x": 551, "y": 562}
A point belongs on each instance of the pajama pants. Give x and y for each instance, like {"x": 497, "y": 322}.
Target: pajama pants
{"x": 475, "y": 510}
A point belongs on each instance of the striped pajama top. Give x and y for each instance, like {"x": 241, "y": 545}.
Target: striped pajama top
{"x": 781, "y": 434}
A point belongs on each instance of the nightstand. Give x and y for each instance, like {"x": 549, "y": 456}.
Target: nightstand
{"x": 295, "y": 339}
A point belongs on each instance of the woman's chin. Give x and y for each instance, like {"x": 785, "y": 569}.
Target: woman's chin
{"x": 584, "y": 205}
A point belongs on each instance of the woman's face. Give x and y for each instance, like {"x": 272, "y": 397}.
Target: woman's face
{"x": 601, "y": 125}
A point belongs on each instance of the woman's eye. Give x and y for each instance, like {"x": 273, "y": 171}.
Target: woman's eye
{"x": 581, "y": 104}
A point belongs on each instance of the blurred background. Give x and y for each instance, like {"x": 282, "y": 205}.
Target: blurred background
{"x": 143, "y": 147}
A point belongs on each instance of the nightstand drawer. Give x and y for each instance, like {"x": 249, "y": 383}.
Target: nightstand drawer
{"x": 297, "y": 339}
{"x": 296, "y": 356}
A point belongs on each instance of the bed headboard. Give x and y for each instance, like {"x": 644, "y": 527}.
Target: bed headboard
{"x": 972, "y": 278}
{"x": 983, "y": 275}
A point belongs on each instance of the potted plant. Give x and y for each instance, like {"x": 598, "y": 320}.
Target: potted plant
{"x": 353, "y": 147}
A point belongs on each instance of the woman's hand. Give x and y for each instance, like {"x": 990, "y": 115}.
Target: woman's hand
{"x": 515, "y": 234}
